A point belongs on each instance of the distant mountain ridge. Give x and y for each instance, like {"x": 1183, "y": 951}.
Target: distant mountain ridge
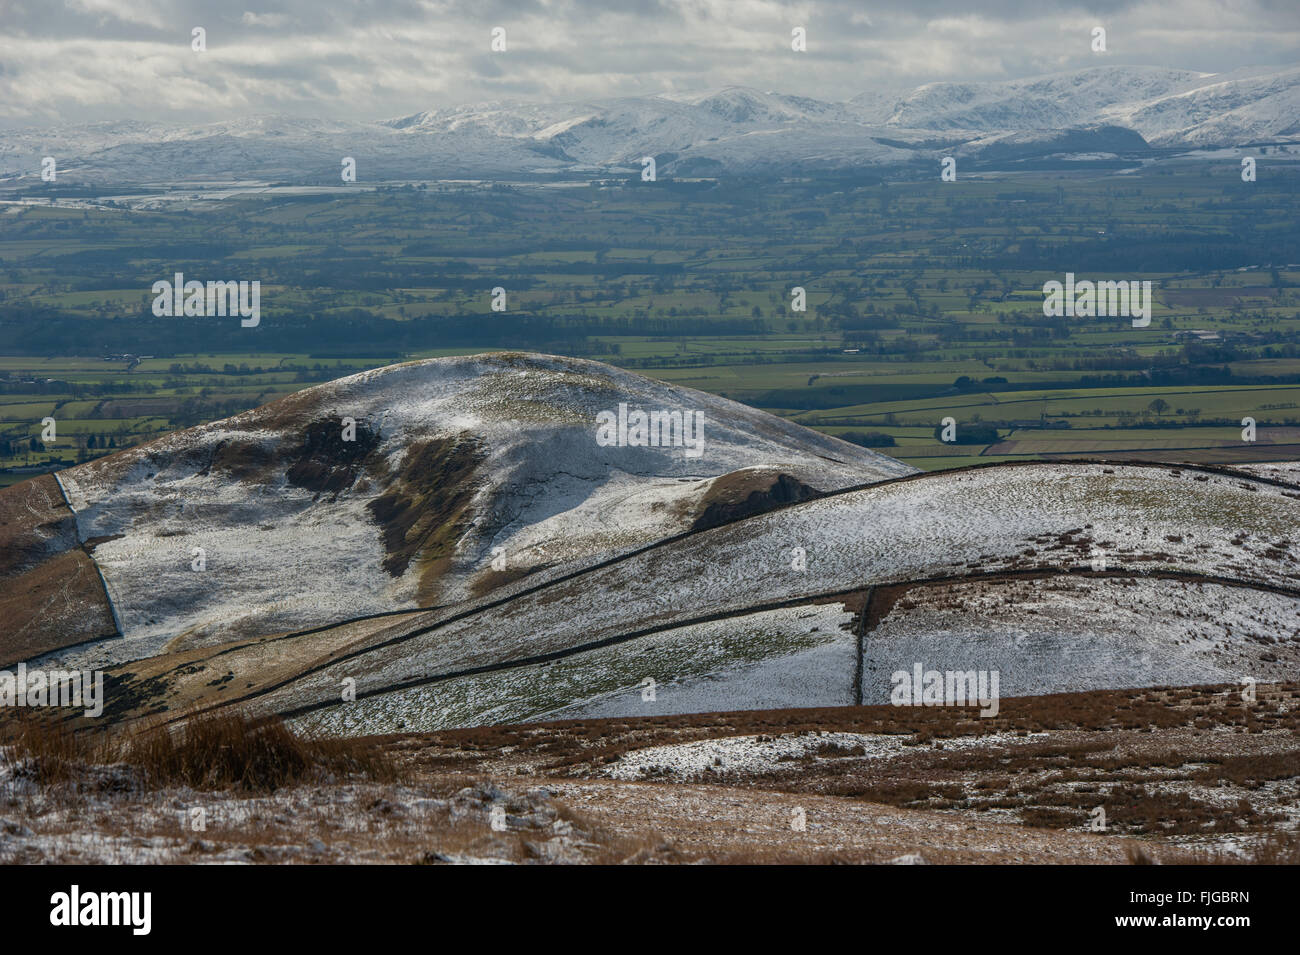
{"x": 733, "y": 129}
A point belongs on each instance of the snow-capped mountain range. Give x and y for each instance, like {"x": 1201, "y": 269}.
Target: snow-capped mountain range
{"x": 1120, "y": 109}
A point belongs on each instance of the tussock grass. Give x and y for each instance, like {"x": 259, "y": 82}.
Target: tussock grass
{"x": 226, "y": 750}
{"x": 51, "y": 751}
{"x": 232, "y": 751}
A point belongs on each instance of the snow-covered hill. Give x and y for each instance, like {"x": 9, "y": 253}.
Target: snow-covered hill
{"x": 1045, "y": 102}
{"x": 465, "y": 474}
{"x": 733, "y": 128}
{"x": 776, "y": 568}
{"x": 1062, "y": 575}
{"x": 1219, "y": 110}
{"x": 1051, "y": 635}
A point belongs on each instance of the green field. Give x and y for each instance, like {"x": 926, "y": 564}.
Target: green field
{"x": 924, "y": 301}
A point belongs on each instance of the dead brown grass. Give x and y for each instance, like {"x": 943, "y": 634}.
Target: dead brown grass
{"x": 226, "y": 750}
{"x": 52, "y": 751}
{"x": 35, "y": 524}
{"x": 57, "y": 603}
{"x": 424, "y": 506}
{"x": 746, "y": 493}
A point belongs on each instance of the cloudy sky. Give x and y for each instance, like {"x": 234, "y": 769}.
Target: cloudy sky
{"x": 80, "y": 60}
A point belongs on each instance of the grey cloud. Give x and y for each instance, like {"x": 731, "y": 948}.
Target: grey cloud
{"x": 130, "y": 59}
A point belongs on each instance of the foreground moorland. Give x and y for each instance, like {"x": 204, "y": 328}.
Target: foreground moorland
{"x": 1189, "y": 775}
